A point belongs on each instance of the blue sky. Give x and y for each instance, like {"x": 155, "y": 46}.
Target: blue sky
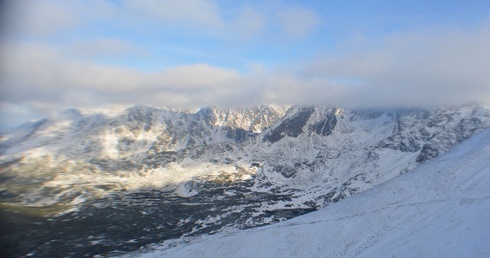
{"x": 191, "y": 53}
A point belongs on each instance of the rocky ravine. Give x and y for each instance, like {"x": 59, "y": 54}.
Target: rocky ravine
{"x": 108, "y": 181}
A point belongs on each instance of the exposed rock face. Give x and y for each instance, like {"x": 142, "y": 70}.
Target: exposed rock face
{"x": 291, "y": 126}
{"x": 234, "y": 167}
{"x": 326, "y": 126}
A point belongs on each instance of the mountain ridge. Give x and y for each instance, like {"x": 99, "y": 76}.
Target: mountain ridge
{"x": 143, "y": 138}
{"x": 238, "y": 168}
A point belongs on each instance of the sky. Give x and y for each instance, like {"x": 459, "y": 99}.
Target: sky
{"x": 56, "y": 54}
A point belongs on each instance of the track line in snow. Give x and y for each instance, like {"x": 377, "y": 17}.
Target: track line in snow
{"x": 292, "y": 224}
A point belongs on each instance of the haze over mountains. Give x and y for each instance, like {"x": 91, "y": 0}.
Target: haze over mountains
{"x": 113, "y": 180}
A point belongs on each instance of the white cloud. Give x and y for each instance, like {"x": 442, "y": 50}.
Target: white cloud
{"x": 105, "y": 47}
{"x": 39, "y": 18}
{"x": 433, "y": 66}
{"x": 191, "y": 12}
{"x": 144, "y": 17}
{"x": 40, "y": 73}
{"x": 248, "y": 22}
{"x": 41, "y": 76}
{"x": 418, "y": 68}
{"x": 297, "y": 22}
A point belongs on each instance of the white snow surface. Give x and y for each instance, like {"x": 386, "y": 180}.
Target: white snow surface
{"x": 439, "y": 209}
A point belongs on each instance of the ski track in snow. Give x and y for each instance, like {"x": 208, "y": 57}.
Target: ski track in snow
{"x": 464, "y": 199}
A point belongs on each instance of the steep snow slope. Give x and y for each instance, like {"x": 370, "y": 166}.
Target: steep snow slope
{"x": 440, "y": 209}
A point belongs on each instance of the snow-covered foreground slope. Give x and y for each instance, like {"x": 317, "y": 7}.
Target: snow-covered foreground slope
{"x": 440, "y": 209}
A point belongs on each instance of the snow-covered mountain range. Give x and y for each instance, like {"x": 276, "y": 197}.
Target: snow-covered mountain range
{"x": 170, "y": 173}
{"x": 440, "y": 209}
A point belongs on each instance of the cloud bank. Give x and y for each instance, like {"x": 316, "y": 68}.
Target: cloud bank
{"x": 426, "y": 67}
{"x": 47, "y": 18}
{"x": 42, "y": 69}
{"x": 418, "y": 68}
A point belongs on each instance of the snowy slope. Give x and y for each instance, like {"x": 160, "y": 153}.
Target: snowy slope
{"x": 440, "y": 209}
{"x": 130, "y": 177}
